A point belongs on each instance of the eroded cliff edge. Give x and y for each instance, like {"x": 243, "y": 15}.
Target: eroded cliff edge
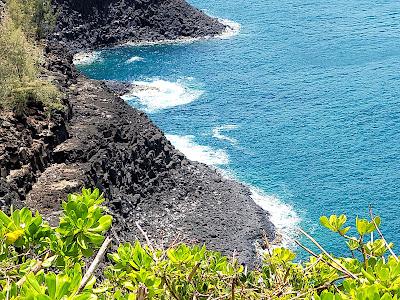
{"x": 95, "y": 23}
{"x": 101, "y": 141}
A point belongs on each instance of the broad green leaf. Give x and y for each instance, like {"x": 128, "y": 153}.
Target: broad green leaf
{"x": 104, "y": 224}
{"x": 51, "y": 285}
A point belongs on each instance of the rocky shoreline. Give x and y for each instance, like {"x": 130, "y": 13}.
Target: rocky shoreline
{"x": 101, "y": 141}
{"x": 90, "y": 24}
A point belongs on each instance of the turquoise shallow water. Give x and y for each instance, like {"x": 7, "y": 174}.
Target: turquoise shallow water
{"x": 303, "y": 104}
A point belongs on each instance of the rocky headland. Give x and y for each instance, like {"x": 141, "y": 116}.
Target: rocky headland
{"x": 100, "y": 141}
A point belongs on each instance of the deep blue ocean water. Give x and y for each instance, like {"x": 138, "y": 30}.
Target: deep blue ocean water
{"x": 303, "y": 104}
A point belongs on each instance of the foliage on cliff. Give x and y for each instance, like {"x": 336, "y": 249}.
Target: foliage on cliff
{"x": 35, "y": 17}
{"x": 21, "y": 58}
{"x": 42, "y": 262}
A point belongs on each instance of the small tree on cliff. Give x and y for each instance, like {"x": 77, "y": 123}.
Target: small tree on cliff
{"x": 20, "y": 65}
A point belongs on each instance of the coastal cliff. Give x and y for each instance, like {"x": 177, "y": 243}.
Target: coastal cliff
{"x": 83, "y": 25}
{"x": 100, "y": 141}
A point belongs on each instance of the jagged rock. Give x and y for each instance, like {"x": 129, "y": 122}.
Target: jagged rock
{"x": 89, "y": 24}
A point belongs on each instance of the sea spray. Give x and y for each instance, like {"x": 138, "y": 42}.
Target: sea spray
{"x": 134, "y": 59}
{"x": 196, "y": 152}
{"x": 282, "y": 215}
{"x": 160, "y": 94}
{"x": 217, "y": 133}
{"x": 232, "y": 28}
{"x": 87, "y": 58}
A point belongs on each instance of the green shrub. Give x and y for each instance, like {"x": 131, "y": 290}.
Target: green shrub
{"x": 20, "y": 62}
{"x": 42, "y": 262}
{"x": 35, "y": 17}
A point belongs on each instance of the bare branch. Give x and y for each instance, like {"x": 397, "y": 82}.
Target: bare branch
{"x": 381, "y": 234}
{"x": 94, "y": 264}
{"x": 145, "y": 236}
{"x": 327, "y": 254}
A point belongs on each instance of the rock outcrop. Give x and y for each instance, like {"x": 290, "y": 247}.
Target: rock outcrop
{"x": 26, "y": 147}
{"x": 82, "y": 25}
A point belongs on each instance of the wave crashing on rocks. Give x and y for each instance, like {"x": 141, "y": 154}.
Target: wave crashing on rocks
{"x": 87, "y": 58}
{"x": 196, "y": 152}
{"x": 158, "y": 94}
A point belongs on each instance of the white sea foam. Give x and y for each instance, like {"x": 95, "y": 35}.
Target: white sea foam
{"x": 87, "y": 58}
{"x": 217, "y": 133}
{"x": 232, "y": 28}
{"x": 134, "y": 59}
{"x": 196, "y": 152}
{"x": 160, "y": 94}
{"x": 282, "y": 215}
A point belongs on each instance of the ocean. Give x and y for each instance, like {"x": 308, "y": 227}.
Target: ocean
{"x": 300, "y": 100}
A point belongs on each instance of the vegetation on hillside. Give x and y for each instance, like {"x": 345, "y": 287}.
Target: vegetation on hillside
{"x": 42, "y": 262}
{"x": 21, "y": 57}
{"x": 35, "y": 17}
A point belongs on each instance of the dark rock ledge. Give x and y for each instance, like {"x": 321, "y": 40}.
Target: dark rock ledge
{"x": 102, "y": 142}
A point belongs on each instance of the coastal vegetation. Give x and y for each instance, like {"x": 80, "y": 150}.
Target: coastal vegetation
{"x": 38, "y": 261}
{"x": 22, "y": 26}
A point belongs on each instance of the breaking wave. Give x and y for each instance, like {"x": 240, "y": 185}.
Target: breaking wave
{"x": 232, "y": 28}
{"x": 196, "y": 152}
{"x": 282, "y": 215}
{"x": 161, "y": 94}
{"x": 217, "y": 133}
{"x": 87, "y": 58}
{"x": 134, "y": 59}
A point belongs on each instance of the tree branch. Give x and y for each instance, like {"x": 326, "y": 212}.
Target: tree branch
{"x": 94, "y": 264}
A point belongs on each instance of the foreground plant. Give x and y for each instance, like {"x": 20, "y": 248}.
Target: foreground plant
{"x": 42, "y": 262}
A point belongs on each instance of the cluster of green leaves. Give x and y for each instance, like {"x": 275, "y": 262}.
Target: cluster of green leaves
{"x": 42, "y": 262}
{"x": 20, "y": 61}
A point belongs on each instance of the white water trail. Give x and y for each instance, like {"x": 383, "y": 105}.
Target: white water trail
{"x": 217, "y": 133}
{"x": 196, "y": 152}
{"x": 160, "y": 94}
{"x": 282, "y": 215}
{"x": 134, "y": 59}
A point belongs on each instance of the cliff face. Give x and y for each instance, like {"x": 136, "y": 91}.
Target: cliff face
{"x": 116, "y": 148}
{"x": 86, "y": 24}
{"x": 103, "y": 142}
{"x": 26, "y": 145}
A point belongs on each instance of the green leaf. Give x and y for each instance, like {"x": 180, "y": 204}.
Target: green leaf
{"x": 82, "y": 241}
{"x": 362, "y": 226}
{"x": 49, "y": 261}
{"x": 367, "y": 275}
{"x": 104, "y": 224}
{"x": 386, "y": 296}
{"x": 96, "y": 239}
{"x": 325, "y": 222}
{"x": 62, "y": 284}
{"x": 51, "y": 285}
{"x": 6, "y": 220}
{"x": 33, "y": 283}
{"x": 344, "y": 230}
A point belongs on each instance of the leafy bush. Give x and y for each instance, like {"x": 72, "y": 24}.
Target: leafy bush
{"x": 41, "y": 262}
{"x": 35, "y": 17}
{"x": 20, "y": 62}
